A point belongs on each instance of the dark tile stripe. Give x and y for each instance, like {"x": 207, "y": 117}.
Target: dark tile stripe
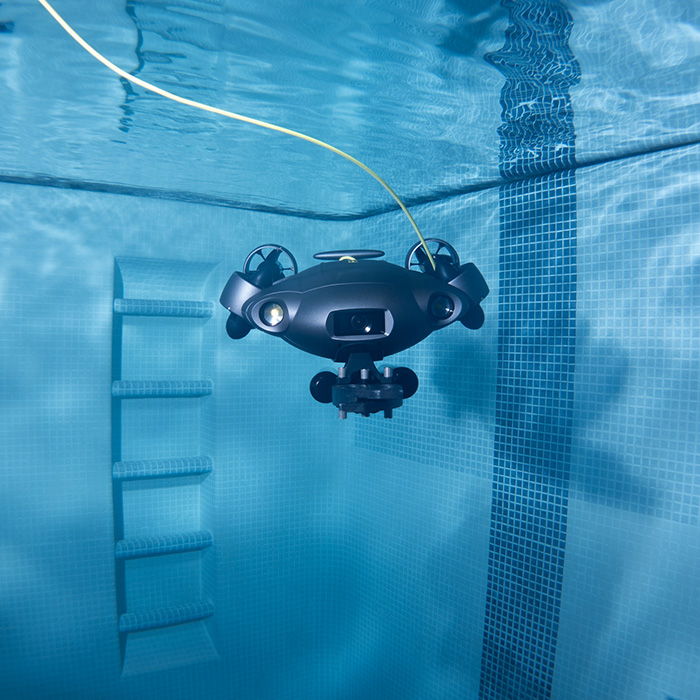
{"x": 536, "y": 346}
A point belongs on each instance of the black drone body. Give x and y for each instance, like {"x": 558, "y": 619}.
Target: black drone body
{"x": 355, "y": 310}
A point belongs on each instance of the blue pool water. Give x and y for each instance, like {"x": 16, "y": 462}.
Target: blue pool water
{"x": 180, "y": 520}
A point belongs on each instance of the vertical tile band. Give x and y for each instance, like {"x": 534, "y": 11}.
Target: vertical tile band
{"x": 536, "y": 346}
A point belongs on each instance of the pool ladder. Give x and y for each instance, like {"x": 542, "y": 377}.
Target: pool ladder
{"x": 186, "y": 469}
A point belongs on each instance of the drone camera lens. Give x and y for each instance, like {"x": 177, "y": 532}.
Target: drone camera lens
{"x": 272, "y": 314}
{"x": 441, "y": 307}
{"x": 360, "y": 323}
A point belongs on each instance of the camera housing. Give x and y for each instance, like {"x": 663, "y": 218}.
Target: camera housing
{"x": 356, "y": 324}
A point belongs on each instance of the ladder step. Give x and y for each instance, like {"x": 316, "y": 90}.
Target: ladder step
{"x": 137, "y": 547}
{"x": 161, "y": 389}
{"x": 165, "y": 617}
{"x": 157, "y": 468}
{"x": 163, "y": 307}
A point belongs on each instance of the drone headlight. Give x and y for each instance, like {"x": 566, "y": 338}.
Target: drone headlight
{"x": 272, "y": 313}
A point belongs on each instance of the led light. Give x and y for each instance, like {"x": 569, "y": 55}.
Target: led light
{"x": 272, "y": 314}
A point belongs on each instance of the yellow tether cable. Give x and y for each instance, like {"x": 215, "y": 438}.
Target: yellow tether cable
{"x": 233, "y": 115}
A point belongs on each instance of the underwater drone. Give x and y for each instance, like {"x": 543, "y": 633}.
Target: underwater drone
{"x": 356, "y": 310}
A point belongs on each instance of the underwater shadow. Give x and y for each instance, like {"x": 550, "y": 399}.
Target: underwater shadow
{"x": 468, "y": 385}
{"x": 598, "y": 473}
{"x": 598, "y": 380}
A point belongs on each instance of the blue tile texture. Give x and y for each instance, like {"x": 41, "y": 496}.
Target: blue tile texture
{"x": 629, "y": 613}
